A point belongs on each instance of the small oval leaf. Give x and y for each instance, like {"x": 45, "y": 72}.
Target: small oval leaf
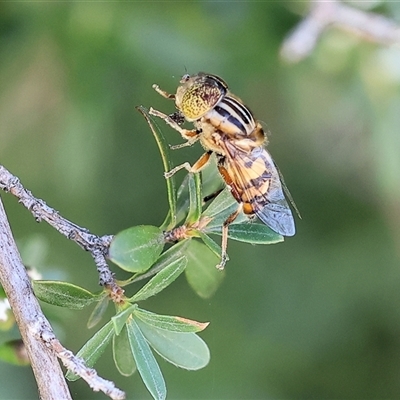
{"x": 220, "y": 209}
{"x": 146, "y": 363}
{"x": 98, "y": 312}
{"x": 137, "y": 248}
{"x": 166, "y": 258}
{"x": 122, "y": 354}
{"x": 250, "y": 233}
{"x": 195, "y": 199}
{"x": 94, "y": 348}
{"x": 201, "y": 273}
{"x": 220, "y": 204}
{"x": 63, "y": 294}
{"x": 170, "y": 323}
{"x": 185, "y": 350}
{"x": 163, "y": 279}
{"x": 119, "y": 320}
{"x": 214, "y": 247}
{"x": 183, "y": 201}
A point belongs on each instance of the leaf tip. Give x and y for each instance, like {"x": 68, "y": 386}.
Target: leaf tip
{"x": 199, "y": 325}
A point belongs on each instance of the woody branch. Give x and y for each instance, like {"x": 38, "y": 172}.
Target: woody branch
{"x": 41, "y": 344}
{"x": 96, "y": 245}
{"x": 324, "y": 14}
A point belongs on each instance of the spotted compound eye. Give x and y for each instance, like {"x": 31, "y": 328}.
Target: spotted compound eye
{"x": 200, "y": 98}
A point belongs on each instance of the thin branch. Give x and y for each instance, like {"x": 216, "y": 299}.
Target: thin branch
{"x": 76, "y": 364}
{"x": 370, "y": 26}
{"x": 96, "y": 245}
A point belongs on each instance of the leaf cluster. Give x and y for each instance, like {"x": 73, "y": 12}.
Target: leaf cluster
{"x": 134, "y": 332}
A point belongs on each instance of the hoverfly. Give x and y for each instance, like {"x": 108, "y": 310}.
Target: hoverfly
{"x": 226, "y": 127}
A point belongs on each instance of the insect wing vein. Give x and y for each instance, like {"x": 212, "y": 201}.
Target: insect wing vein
{"x": 257, "y": 179}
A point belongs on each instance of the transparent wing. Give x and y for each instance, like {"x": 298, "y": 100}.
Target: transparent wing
{"x": 257, "y": 183}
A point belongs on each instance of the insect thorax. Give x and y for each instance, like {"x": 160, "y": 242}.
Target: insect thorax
{"x": 230, "y": 121}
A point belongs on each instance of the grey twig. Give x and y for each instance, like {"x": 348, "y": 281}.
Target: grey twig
{"x": 323, "y": 14}
{"x": 75, "y": 364}
{"x": 96, "y": 245}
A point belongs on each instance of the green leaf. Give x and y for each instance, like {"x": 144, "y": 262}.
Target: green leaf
{"x": 241, "y": 229}
{"x": 201, "y": 271}
{"x": 98, "y": 312}
{"x": 221, "y": 208}
{"x": 183, "y": 200}
{"x": 120, "y": 319}
{"x": 166, "y": 258}
{"x": 185, "y": 350}
{"x": 145, "y": 362}
{"x": 164, "y": 151}
{"x": 13, "y": 352}
{"x": 63, "y": 294}
{"x": 221, "y": 203}
{"x": 169, "y": 323}
{"x": 196, "y": 201}
{"x": 122, "y": 354}
{"x": 250, "y": 233}
{"x": 211, "y": 179}
{"x": 163, "y": 279}
{"x": 214, "y": 247}
{"x": 137, "y": 248}
{"x": 94, "y": 348}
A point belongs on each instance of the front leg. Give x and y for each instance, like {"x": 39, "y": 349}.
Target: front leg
{"x": 163, "y": 93}
{"x": 190, "y": 135}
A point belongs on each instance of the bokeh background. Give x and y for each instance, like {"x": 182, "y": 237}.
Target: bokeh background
{"x": 315, "y": 317}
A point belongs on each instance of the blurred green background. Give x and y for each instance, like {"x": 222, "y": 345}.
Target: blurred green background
{"x": 315, "y": 317}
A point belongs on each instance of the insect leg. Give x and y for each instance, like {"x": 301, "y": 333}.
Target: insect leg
{"x": 163, "y": 93}
{"x": 224, "y": 242}
{"x": 196, "y": 167}
{"x": 184, "y": 144}
{"x": 190, "y": 135}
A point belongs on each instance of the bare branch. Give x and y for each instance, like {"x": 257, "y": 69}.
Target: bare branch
{"x": 42, "y": 346}
{"x": 26, "y": 309}
{"x": 76, "y": 364}
{"x": 370, "y": 26}
{"x": 96, "y": 245}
